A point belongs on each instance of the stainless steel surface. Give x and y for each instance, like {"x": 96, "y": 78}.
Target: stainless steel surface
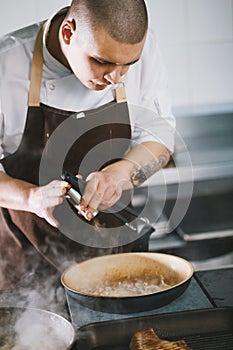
{"x": 208, "y": 216}
{"x": 203, "y": 167}
{"x": 219, "y": 262}
{"x": 197, "y": 236}
{"x": 208, "y": 140}
{"x": 74, "y": 195}
{"x": 74, "y": 198}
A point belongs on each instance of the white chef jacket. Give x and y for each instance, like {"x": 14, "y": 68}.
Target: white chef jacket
{"x": 146, "y": 88}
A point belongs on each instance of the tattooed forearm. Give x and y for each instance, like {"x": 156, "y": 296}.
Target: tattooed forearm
{"x": 144, "y": 171}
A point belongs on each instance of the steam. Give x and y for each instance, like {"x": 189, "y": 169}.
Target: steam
{"x": 38, "y": 288}
{"x": 37, "y": 330}
{"x": 39, "y": 285}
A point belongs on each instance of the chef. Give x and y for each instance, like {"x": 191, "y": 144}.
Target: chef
{"x": 98, "y": 64}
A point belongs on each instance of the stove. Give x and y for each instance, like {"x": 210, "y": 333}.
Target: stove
{"x": 202, "y": 315}
{"x": 193, "y": 298}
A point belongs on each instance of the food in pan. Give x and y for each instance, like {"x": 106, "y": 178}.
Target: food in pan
{"x": 129, "y": 287}
{"x": 148, "y": 340}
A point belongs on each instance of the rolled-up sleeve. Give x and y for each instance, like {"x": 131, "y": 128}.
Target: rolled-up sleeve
{"x": 150, "y": 126}
{"x": 152, "y": 116}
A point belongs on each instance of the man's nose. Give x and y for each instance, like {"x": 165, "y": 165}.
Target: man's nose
{"x": 114, "y": 76}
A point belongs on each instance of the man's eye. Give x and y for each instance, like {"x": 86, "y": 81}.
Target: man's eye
{"x": 103, "y": 63}
{"x": 97, "y": 61}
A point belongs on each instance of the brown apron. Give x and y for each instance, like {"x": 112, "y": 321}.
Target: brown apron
{"x": 20, "y": 229}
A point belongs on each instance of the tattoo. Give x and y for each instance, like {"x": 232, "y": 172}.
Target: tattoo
{"x": 143, "y": 172}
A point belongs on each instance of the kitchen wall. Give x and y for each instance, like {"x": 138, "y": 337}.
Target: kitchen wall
{"x": 196, "y": 38}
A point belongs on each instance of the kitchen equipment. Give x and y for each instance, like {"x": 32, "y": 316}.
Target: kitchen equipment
{"x": 209, "y": 216}
{"x": 35, "y": 329}
{"x": 209, "y": 329}
{"x": 77, "y": 187}
{"x": 85, "y": 280}
{"x": 213, "y": 280}
{"x": 74, "y": 192}
{"x": 193, "y": 298}
{"x": 139, "y": 231}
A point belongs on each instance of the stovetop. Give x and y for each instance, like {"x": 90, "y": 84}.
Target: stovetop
{"x": 218, "y": 285}
{"x": 208, "y": 290}
{"x": 193, "y": 298}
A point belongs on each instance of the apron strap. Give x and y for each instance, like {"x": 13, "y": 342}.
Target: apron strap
{"x": 120, "y": 93}
{"x": 37, "y": 70}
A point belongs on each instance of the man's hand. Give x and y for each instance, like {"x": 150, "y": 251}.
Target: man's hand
{"x": 43, "y": 200}
{"x": 21, "y": 195}
{"x": 104, "y": 188}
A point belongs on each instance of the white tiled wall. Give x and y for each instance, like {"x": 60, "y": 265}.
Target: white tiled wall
{"x": 196, "y": 37}
{"x": 15, "y": 14}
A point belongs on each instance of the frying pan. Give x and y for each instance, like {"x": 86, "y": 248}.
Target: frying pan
{"x": 85, "y": 280}
{"x": 25, "y": 328}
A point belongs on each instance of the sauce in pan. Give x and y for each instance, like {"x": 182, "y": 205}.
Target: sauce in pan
{"x": 129, "y": 288}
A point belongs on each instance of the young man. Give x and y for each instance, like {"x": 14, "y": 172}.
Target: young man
{"x": 76, "y": 62}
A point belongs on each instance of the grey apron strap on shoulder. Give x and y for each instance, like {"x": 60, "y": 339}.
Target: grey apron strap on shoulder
{"x": 36, "y": 71}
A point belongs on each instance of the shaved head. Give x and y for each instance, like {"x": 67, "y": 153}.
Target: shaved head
{"x": 125, "y": 21}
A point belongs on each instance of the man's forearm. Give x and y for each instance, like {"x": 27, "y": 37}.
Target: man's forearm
{"x": 147, "y": 158}
{"x": 104, "y": 188}
{"x": 14, "y": 193}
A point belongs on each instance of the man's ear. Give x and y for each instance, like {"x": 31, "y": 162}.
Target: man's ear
{"x": 68, "y": 29}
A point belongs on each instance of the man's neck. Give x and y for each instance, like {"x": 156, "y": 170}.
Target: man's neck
{"x": 52, "y": 40}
